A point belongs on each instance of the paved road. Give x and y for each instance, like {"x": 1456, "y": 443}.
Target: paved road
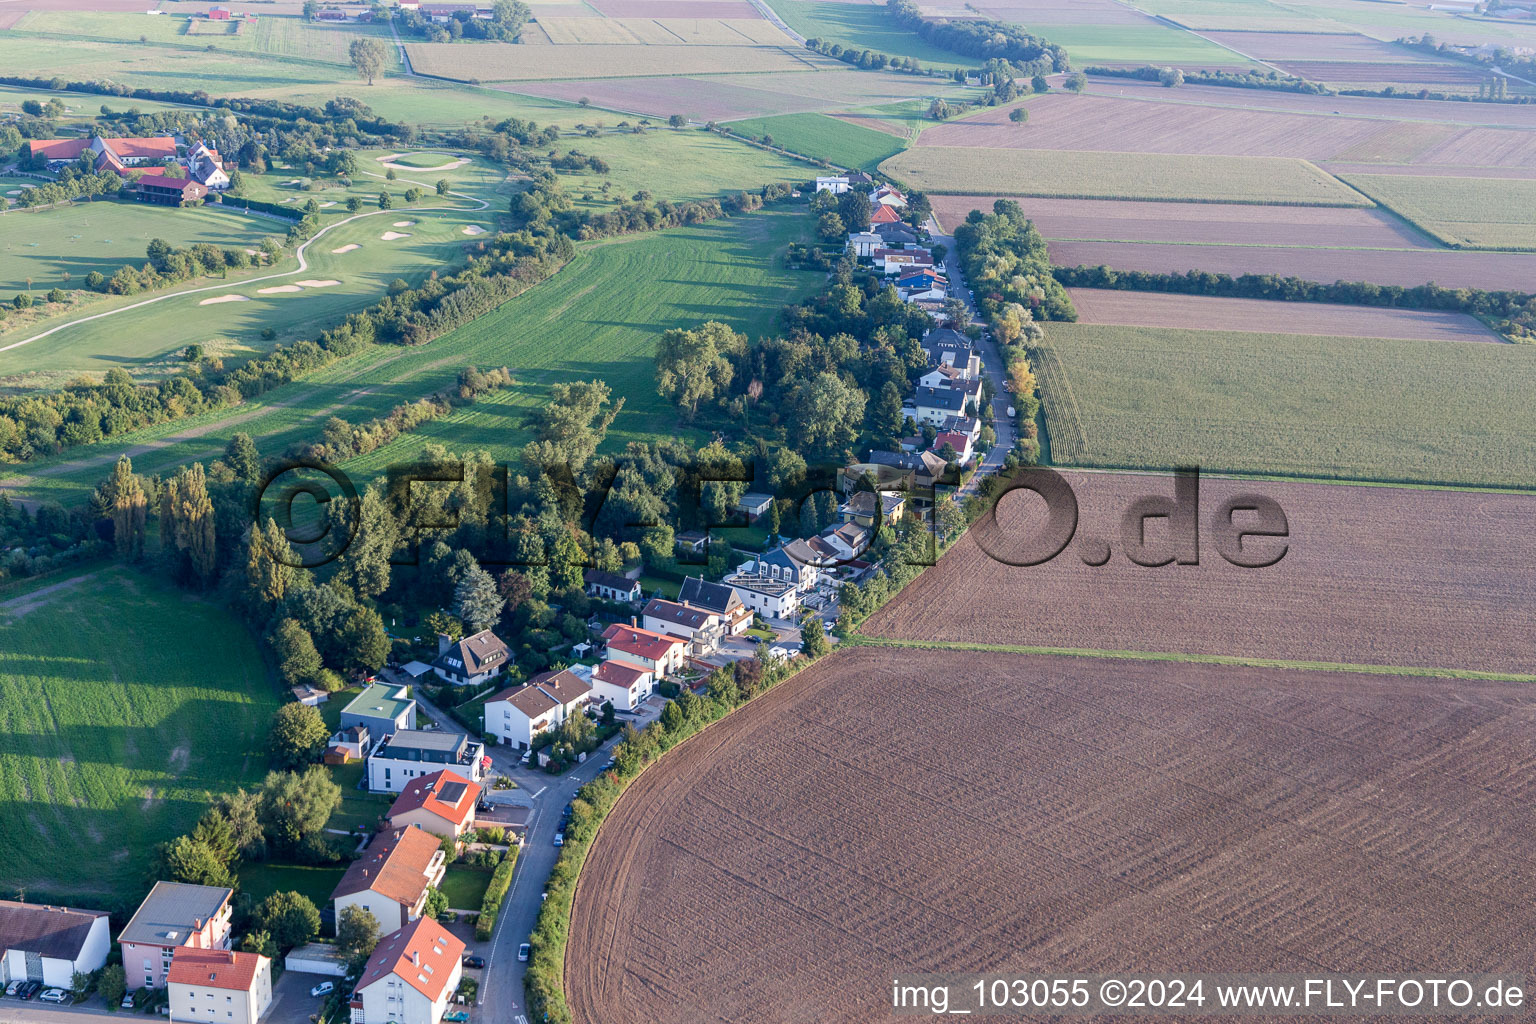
{"x": 992, "y": 366}
{"x": 772, "y": 15}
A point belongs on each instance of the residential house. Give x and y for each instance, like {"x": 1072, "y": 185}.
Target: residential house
{"x": 348, "y": 744}
{"x": 888, "y": 195}
{"x": 411, "y": 976}
{"x": 754, "y": 504}
{"x": 895, "y": 235}
{"x": 848, "y": 540}
{"x": 174, "y": 914}
{"x": 922, "y": 286}
{"x": 948, "y": 346}
{"x": 872, "y": 510}
{"x": 220, "y": 986}
{"x": 471, "y": 661}
{"x": 795, "y": 561}
{"x": 442, "y": 803}
{"x": 769, "y": 597}
{"x": 411, "y": 754}
{"x": 694, "y": 542}
{"x": 837, "y": 185}
{"x": 205, "y": 166}
{"x": 609, "y": 586}
{"x": 698, "y": 625}
{"x": 51, "y": 944}
{"x": 914, "y": 472}
{"x": 390, "y": 880}
{"x": 864, "y": 243}
{"x": 883, "y": 215}
{"x": 657, "y": 653}
{"x": 959, "y": 442}
{"x": 218, "y": 14}
{"x": 717, "y": 598}
{"x": 933, "y": 405}
{"x": 898, "y": 261}
{"x": 942, "y": 375}
{"x": 520, "y": 714}
{"x": 383, "y": 709}
{"x": 624, "y": 686}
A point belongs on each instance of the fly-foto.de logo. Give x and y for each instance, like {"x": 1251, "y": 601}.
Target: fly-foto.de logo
{"x": 1249, "y": 530}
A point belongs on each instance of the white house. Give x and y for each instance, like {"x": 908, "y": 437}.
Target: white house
{"x": 941, "y": 376}
{"x": 611, "y": 586}
{"x": 888, "y": 195}
{"x": 697, "y": 592}
{"x": 836, "y": 185}
{"x": 769, "y": 597}
{"x": 624, "y": 686}
{"x": 471, "y": 661}
{"x": 205, "y": 166}
{"x": 796, "y": 562}
{"x": 219, "y": 986}
{"x": 390, "y": 880}
{"x": 50, "y": 944}
{"x": 898, "y": 261}
{"x": 670, "y": 618}
{"x": 657, "y": 653}
{"x": 519, "y": 714}
{"x": 961, "y": 443}
{"x": 935, "y": 405}
{"x": 864, "y": 243}
{"x": 849, "y": 539}
{"x": 411, "y": 976}
{"x": 412, "y": 754}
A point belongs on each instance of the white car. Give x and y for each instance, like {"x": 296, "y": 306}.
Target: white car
{"x": 13, "y": 987}
{"x": 523, "y": 951}
{"x": 325, "y": 988}
{"x": 127, "y": 1003}
{"x": 54, "y": 995}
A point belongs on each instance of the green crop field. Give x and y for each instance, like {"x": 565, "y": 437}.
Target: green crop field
{"x": 1251, "y": 15}
{"x": 508, "y": 62}
{"x": 1465, "y": 213}
{"x": 1150, "y": 43}
{"x": 44, "y": 245}
{"x": 1346, "y": 408}
{"x": 1090, "y": 175}
{"x": 825, "y": 138}
{"x": 599, "y": 317}
{"x": 114, "y": 734}
{"x": 866, "y": 27}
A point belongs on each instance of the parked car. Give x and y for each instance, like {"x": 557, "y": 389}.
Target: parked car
{"x": 559, "y": 838}
{"x": 14, "y": 987}
{"x": 523, "y": 951}
{"x": 54, "y": 995}
{"x": 325, "y": 988}
{"x": 456, "y": 1016}
{"x": 474, "y": 961}
{"x": 30, "y": 989}
{"x": 127, "y": 1003}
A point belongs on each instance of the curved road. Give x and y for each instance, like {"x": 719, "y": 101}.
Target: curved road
{"x": 299, "y": 252}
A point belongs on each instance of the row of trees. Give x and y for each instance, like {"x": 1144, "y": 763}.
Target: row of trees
{"x": 508, "y": 17}
{"x": 984, "y": 38}
{"x": 340, "y": 440}
{"x": 1005, "y": 261}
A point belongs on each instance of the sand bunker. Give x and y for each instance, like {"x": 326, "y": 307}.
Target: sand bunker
{"x": 279, "y": 289}
{"x": 390, "y": 236}
{"x": 347, "y": 248}
{"x": 317, "y": 284}
{"x": 474, "y": 229}
{"x": 14, "y": 192}
{"x": 328, "y": 202}
{"x": 404, "y": 223}
{"x": 223, "y": 298}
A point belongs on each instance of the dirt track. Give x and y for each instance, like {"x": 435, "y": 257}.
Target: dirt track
{"x": 898, "y": 811}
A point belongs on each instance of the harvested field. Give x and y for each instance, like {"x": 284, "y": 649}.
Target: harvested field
{"x": 1410, "y": 73}
{"x": 675, "y": 8}
{"x": 1407, "y": 267}
{"x": 1477, "y": 213}
{"x": 1037, "y": 13}
{"x": 714, "y": 32}
{"x": 1087, "y": 175}
{"x": 1313, "y": 46}
{"x": 1372, "y": 576}
{"x": 508, "y": 62}
{"x": 1213, "y": 313}
{"x": 1392, "y": 410}
{"x": 896, "y": 812}
{"x": 1200, "y": 223}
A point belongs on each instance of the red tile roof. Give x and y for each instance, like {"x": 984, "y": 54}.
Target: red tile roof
{"x": 955, "y": 441}
{"x": 619, "y": 674}
{"x": 394, "y": 865}
{"x": 423, "y": 954}
{"x": 59, "y": 149}
{"x": 214, "y": 968}
{"x": 641, "y": 643}
{"x": 884, "y": 215}
{"x": 153, "y": 148}
{"x": 446, "y": 794}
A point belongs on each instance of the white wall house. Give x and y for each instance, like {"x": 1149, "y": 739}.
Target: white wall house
{"x": 414, "y": 753}
{"x": 390, "y": 880}
{"x": 768, "y": 597}
{"x": 624, "y": 686}
{"x": 410, "y": 977}
{"x": 836, "y": 185}
{"x": 519, "y": 715}
{"x": 49, "y": 944}
{"x": 658, "y": 654}
{"x": 219, "y": 986}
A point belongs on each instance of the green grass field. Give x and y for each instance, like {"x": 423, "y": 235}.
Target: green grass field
{"x": 599, "y": 317}
{"x": 423, "y": 159}
{"x": 1085, "y": 175}
{"x": 1465, "y": 213}
{"x": 1151, "y": 43}
{"x": 465, "y": 886}
{"x": 864, "y": 27}
{"x": 114, "y": 732}
{"x": 825, "y": 138}
{"x": 44, "y": 245}
{"x": 359, "y": 808}
{"x": 260, "y": 880}
{"x": 1296, "y": 405}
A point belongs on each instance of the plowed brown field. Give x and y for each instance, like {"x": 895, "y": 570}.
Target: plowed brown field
{"x": 898, "y": 811}
{"x": 1374, "y": 575}
{"x": 1493, "y": 271}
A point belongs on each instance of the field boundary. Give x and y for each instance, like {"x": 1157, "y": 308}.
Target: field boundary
{"x": 855, "y": 638}
{"x": 1407, "y": 217}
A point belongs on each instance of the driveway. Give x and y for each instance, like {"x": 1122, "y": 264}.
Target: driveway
{"x": 291, "y": 1001}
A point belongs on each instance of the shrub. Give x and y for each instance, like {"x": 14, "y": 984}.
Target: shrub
{"x": 495, "y": 896}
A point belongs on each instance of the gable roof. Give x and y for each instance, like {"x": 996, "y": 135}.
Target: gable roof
{"x": 956, "y": 441}
{"x": 716, "y": 597}
{"x": 153, "y": 148}
{"x": 945, "y": 339}
{"x": 423, "y": 954}
{"x": 618, "y": 674}
{"x": 59, "y": 149}
{"x": 446, "y": 794}
{"x": 214, "y": 968}
{"x": 642, "y": 643}
{"x": 544, "y": 693}
{"x": 883, "y": 214}
{"x": 481, "y": 652}
{"x": 951, "y": 399}
{"x": 57, "y": 933}
{"x": 612, "y": 580}
{"x": 897, "y": 232}
{"x": 678, "y": 614}
{"x": 172, "y": 910}
{"x": 528, "y": 699}
{"x": 394, "y": 865}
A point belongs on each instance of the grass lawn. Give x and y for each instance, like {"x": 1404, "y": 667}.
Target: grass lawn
{"x": 1295, "y": 405}
{"x": 1150, "y": 43}
{"x": 465, "y": 886}
{"x": 113, "y": 736}
{"x": 825, "y": 138}
{"x": 865, "y": 27}
{"x": 262, "y": 880}
{"x": 423, "y": 159}
{"x": 1465, "y": 213}
{"x": 675, "y": 163}
{"x": 359, "y": 808}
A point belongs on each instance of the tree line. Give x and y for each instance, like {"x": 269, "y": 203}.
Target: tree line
{"x": 983, "y": 38}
